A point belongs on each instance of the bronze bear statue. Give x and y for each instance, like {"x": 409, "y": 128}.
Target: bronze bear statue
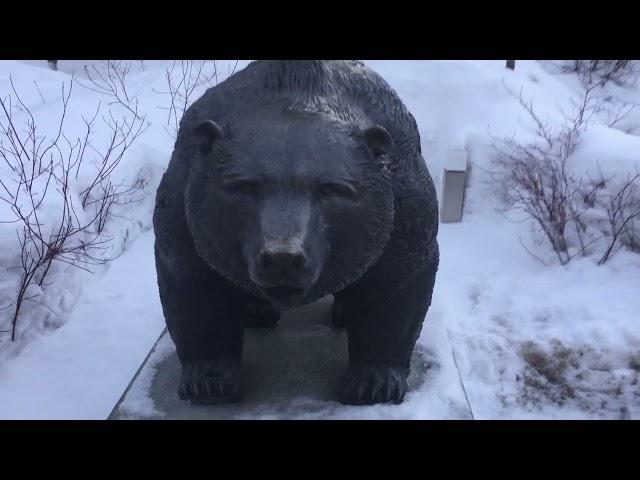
{"x": 289, "y": 181}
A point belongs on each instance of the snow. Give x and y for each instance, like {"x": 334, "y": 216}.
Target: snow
{"x": 510, "y": 336}
{"x": 81, "y": 369}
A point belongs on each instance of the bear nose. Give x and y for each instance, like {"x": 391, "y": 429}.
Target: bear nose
{"x": 282, "y": 268}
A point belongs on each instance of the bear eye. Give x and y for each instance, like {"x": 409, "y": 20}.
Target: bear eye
{"x": 328, "y": 190}
{"x": 241, "y": 187}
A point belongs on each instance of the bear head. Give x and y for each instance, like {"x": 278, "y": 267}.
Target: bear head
{"x": 290, "y": 206}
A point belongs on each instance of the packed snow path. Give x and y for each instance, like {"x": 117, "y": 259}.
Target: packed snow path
{"x": 80, "y": 370}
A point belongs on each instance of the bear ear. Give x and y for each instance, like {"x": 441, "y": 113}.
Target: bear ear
{"x": 378, "y": 140}
{"x": 206, "y": 134}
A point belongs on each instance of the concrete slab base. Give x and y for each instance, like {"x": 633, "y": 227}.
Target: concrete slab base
{"x": 291, "y": 371}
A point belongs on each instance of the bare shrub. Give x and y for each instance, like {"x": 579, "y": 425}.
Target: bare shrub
{"x": 535, "y": 179}
{"x": 46, "y": 172}
{"x": 621, "y": 205}
{"x": 183, "y": 78}
{"x": 600, "y": 72}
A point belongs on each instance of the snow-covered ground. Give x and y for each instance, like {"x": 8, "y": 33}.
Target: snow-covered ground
{"x": 525, "y": 340}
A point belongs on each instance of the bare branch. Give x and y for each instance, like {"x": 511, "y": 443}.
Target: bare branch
{"x": 600, "y": 72}
{"x": 183, "y": 79}
{"x": 112, "y": 84}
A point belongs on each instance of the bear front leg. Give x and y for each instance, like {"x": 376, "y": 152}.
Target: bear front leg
{"x": 384, "y": 316}
{"x": 205, "y": 316}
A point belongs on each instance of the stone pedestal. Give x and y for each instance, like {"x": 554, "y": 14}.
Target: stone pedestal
{"x": 291, "y": 371}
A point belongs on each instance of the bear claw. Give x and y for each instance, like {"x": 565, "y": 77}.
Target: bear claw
{"x": 210, "y": 383}
{"x": 368, "y": 385}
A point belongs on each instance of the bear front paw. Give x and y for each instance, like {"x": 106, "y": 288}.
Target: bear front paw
{"x": 369, "y": 384}
{"x": 210, "y": 382}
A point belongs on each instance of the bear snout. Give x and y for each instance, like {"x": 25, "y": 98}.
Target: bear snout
{"x": 277, "y": 268}
{"x": 283, "y": 276}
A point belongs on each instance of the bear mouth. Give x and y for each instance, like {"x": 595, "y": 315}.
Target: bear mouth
{"x": 283, "y": 293}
